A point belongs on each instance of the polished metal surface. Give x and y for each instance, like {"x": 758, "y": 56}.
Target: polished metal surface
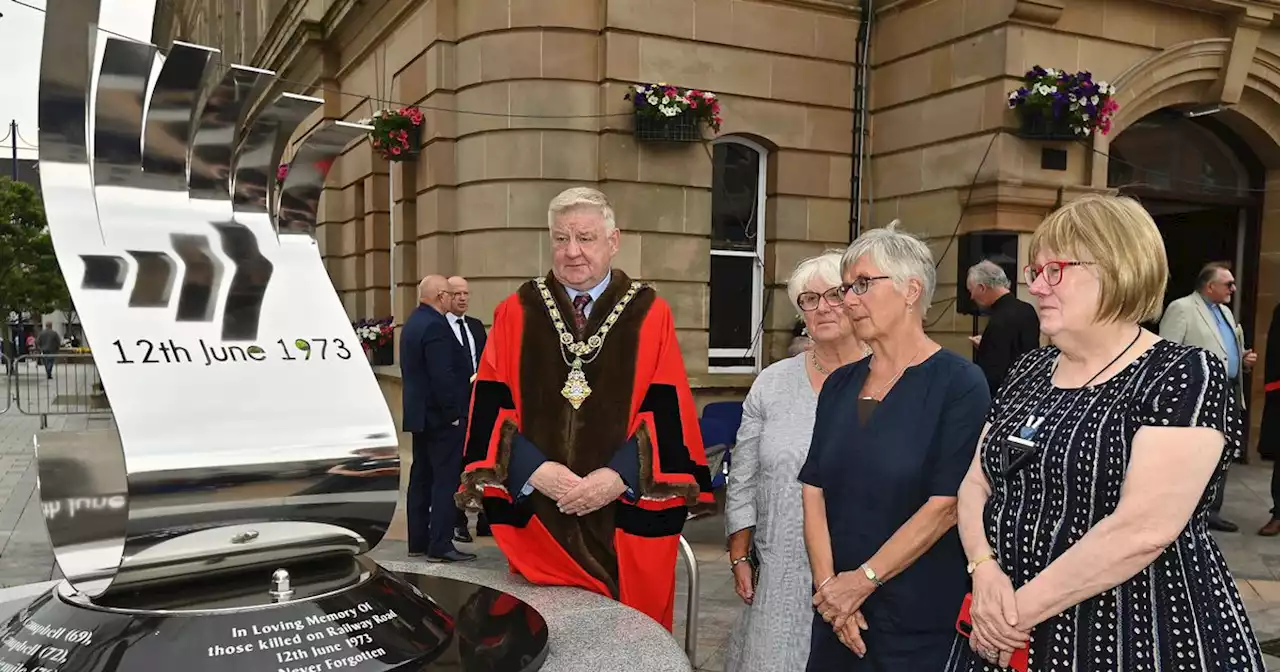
{"x": 691, "y": 603}
{"x": 251, "y": 430}
{"x": 255, "y": 176}
{"x": 281, "y": 589}
{"x": 300, "y": 195}
{"x": 310, "y": 581}
{"x": 170, "y": 117}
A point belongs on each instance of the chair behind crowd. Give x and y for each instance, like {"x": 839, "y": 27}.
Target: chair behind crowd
{"x": 719, "y": 425}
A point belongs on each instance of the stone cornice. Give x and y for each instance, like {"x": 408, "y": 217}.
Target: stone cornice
{"x": 1033, "y": 11}
{"x": 1038, "y": 11}
{"x": 829, "y": 6}
{"x": 1227, "y": 6}
{"x": 1025, "y": 196}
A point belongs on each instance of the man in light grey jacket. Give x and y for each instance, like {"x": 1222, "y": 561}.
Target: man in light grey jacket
{"x": 1203, "y": 319}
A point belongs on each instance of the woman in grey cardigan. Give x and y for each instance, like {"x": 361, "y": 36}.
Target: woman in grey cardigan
{"x": 764, "y": 511}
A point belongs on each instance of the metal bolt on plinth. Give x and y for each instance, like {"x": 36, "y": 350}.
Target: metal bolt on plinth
{"x": 280, "y": 588}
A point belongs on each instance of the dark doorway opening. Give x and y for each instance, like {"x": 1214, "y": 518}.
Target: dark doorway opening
{"x": 1194, "y": 235}
{"x": 1203, "y": 187}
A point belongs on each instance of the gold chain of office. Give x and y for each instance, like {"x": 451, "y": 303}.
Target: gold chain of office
{"x": 576, "y": 390}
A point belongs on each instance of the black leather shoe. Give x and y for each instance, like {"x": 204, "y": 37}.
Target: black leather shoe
{"x": 1217, "y": 523}
{"x": 462, "y": 535}
{"x": 452, "y": 556}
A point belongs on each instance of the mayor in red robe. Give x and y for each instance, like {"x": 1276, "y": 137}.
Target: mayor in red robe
{"x": 583, "y": 445}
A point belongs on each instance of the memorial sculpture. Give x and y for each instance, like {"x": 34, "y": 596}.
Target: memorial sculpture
{"x": 223, "y": 522}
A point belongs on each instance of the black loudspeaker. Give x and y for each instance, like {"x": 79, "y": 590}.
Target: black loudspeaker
{"x": 1000, "y": 247}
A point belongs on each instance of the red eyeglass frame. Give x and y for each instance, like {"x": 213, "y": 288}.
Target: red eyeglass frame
{"x": 1062, "y": 265}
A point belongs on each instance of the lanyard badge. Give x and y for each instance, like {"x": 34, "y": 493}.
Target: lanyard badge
{"x": 1021, "y": 446}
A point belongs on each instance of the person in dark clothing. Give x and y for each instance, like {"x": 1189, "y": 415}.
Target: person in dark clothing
{"x": 1269, "y": 436}
{"x": 1013, "y": 328}
{"x": 893, "y": 436}
{"x": 49, "y": 343}
{"x": 436, "y": 401}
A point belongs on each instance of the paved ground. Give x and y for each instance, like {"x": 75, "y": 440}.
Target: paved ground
{"x": 25, "y": 556}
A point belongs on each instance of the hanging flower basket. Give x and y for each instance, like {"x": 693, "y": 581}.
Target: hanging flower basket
{"x": 1057, "y": 105}
{"x": 396, "y": 134}
{"x": 665, "y": 113}
{"x": 377, "y": 338}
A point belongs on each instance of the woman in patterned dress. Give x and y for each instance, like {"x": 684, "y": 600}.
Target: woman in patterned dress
{"x": 1083, "y": 515}
{"x": 763, "y": 500}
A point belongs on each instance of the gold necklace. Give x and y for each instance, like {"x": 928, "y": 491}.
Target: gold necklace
{"x": 576, "y": 390}
{"x": 813, "y": 357}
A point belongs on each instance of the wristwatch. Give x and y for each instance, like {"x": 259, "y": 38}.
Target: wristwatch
{"x": 981, "y": 559}
{"x": 871, "y": 575}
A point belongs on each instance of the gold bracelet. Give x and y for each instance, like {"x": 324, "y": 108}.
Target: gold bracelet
{"x": 735, "y": 563}
{"x": 820, "y": 585}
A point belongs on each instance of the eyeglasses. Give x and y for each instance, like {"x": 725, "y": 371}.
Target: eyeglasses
{"x": 860, "y": 285}
{"x": 1052, "y": 271}
{"x": 809, "y": 300}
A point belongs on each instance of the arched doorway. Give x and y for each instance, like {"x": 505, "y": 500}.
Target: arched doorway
{"x": 1203, "y": 186}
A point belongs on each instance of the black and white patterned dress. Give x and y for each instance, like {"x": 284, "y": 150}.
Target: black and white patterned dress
{"x": 1183, "y": 612}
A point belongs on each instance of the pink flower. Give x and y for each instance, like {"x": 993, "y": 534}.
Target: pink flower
{"x": 282, "y": 172}
{"x": 395, "y": 150}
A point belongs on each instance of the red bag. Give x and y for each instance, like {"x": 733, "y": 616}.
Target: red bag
{"x": 964, "y": 626}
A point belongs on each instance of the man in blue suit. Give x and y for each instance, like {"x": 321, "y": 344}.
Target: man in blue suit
{"x": 436, "y": 374}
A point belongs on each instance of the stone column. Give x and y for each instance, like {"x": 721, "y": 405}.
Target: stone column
{"x": 538, "y": 62}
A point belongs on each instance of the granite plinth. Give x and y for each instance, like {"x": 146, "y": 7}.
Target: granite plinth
{"x": 587, "y": 632}
{"x": 349, "y": 615}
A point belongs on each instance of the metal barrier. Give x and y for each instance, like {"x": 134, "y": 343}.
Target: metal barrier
{"x": 7, "y": 384}
{"x": 691, "y": 606}
{"x": 61, "y": 384}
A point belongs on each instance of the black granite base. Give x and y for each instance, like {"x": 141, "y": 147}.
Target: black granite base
{"x": 384, "y": 622}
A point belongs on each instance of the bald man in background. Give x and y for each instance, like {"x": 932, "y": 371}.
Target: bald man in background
{"x": 471, "y": 336}
{"x": 436, "y": 374}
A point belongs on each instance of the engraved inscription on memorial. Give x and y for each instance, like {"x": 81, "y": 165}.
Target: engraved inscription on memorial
{"x": 45, "y": 645}
{"x": 383, "y": 623}
{"x": 170, "y": 351}
{"x": 323, "y": 641}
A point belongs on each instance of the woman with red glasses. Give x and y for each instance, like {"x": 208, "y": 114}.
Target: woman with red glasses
{"x": 1083, "y": 515}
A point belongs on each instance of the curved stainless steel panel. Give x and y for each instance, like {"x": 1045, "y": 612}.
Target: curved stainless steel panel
{"x": 217, "y": 131}
{"x": 242, "y": 402}
{"x": 300, "y": 196}
{"x": 122, "y": 90}
{"x": 170, "y": 116}
{"x": 263, "y": 147}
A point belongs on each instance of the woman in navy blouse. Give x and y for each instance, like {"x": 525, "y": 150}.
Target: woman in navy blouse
{"x": 892, "y": 440}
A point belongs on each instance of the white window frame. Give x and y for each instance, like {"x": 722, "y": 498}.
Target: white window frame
{"x": 756, "y": 349}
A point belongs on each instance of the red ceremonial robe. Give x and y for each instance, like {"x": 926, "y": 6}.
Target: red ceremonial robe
{"x": 640, "y": 420}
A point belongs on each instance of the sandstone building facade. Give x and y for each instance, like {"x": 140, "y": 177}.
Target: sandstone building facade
{"x": 525, "y": 97}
